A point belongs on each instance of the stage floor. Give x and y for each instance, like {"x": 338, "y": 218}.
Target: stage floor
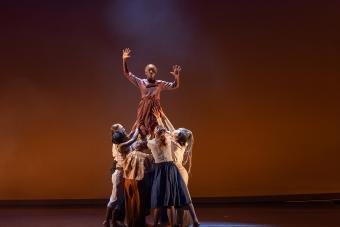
{"x": 238, "y": 216}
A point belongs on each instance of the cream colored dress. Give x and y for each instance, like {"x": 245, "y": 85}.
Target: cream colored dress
{"x": 164, "y": 154}
{"x": 178, "y": 155}
{"x": 117, "y": 178}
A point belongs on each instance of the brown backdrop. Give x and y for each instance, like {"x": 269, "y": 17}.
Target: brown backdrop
{"x": 259, "y": 89}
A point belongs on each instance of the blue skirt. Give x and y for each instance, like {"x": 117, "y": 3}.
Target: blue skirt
{"x": 168, "y": 187}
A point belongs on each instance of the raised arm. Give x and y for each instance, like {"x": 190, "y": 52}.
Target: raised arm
{"x": 132, "y": 78}
{"x": 122, "y": 146}
{"x": 188, "y": 152}
{"x": 175, "y": 84}
{"x": 157, "y": 114}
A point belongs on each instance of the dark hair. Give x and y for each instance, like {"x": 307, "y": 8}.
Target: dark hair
{"x": 183, "y": 136}
{"x": 118, "y": 137}
{"x": 160, "y": 137}
{"x": 141, "y": 145}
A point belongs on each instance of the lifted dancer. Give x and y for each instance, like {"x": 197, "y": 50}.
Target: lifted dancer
{"x": 150, "y": 89}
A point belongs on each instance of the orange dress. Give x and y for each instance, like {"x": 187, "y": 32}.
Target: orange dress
{"x": 136, "y": 165}
{"x": 150, "y": 102}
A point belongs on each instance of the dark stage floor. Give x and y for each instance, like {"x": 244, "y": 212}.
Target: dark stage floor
{"x": 239, "y": 216}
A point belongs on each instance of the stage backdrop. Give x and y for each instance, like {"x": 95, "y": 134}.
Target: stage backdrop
{"x": 259, "y": 89}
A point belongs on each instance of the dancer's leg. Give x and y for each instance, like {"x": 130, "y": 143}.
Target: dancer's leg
{"x": 163, "y": 216}
{"x": 108, "y": 216}
{"x": 113, "y": 220}
{"x": 171, "y": 215}
{"x": 155, "y": 216}
{"x": 193, "y": 214}
{"x": 179, "y": 216}
{"x": 117, "y": 196}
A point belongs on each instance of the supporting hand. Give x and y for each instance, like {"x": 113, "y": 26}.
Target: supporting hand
{"x": 156, "y": 113}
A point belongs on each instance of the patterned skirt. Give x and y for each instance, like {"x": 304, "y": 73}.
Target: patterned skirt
{"x": 137, "y": 199}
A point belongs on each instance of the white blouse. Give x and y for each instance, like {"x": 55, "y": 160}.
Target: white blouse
{"x": 164, "y": 154}
{"x": 178, "y": 152}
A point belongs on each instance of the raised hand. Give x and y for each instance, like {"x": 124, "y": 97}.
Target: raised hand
{"x": 175, "y": 70}
{"x": 126, "y": 53}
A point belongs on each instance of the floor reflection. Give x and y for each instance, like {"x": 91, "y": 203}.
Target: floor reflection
{"x": 232, "y": 224}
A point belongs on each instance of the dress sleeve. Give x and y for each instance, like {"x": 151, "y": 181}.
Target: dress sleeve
{"x": 169, "y": 85}
{"x": 114, "y": 151}
{"x": 133, "y": 79}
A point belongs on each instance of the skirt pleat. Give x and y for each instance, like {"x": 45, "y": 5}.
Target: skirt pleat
{"x": 168, "y": 188}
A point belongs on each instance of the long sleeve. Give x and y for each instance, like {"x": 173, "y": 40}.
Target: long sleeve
{"x": 170, "y": 85}
{"x": 114, "y": 151}
{"x": 132, "y": 78}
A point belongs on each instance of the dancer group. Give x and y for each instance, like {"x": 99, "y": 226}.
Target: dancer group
{"x": 152, "y": 162}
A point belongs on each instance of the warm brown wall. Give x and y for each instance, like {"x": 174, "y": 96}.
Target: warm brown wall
{"x": 259, "y": 88}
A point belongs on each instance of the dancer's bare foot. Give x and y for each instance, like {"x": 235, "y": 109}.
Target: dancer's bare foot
{"x": 106, "y": 223}
{"x": 120, "y": 224}
{"x": 196, "y": 224}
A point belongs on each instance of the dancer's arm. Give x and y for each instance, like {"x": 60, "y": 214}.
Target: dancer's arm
{"x": 132, "y": 78}
{"x": 114, "y": 151}
{"x": 157, "y": 114}
{"x": 189, "y": 163}
{"x": 129, "y": 142}
{"x": 188, "y": 152}
{"x": 172, "y": 85}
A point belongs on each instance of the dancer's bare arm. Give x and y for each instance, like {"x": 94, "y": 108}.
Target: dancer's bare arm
{"x": 157, "y": 114}
{"x": 173, "y": 85}
{"x": 188, "y": 161}
{"x": 132, "y": 78}
{"x": 125, "y": 56}
{"x": 188, "y": 153}
{"x": 122, "y": 146}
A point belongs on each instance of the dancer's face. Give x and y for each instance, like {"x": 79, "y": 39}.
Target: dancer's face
{"x": 150, "y": 72}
